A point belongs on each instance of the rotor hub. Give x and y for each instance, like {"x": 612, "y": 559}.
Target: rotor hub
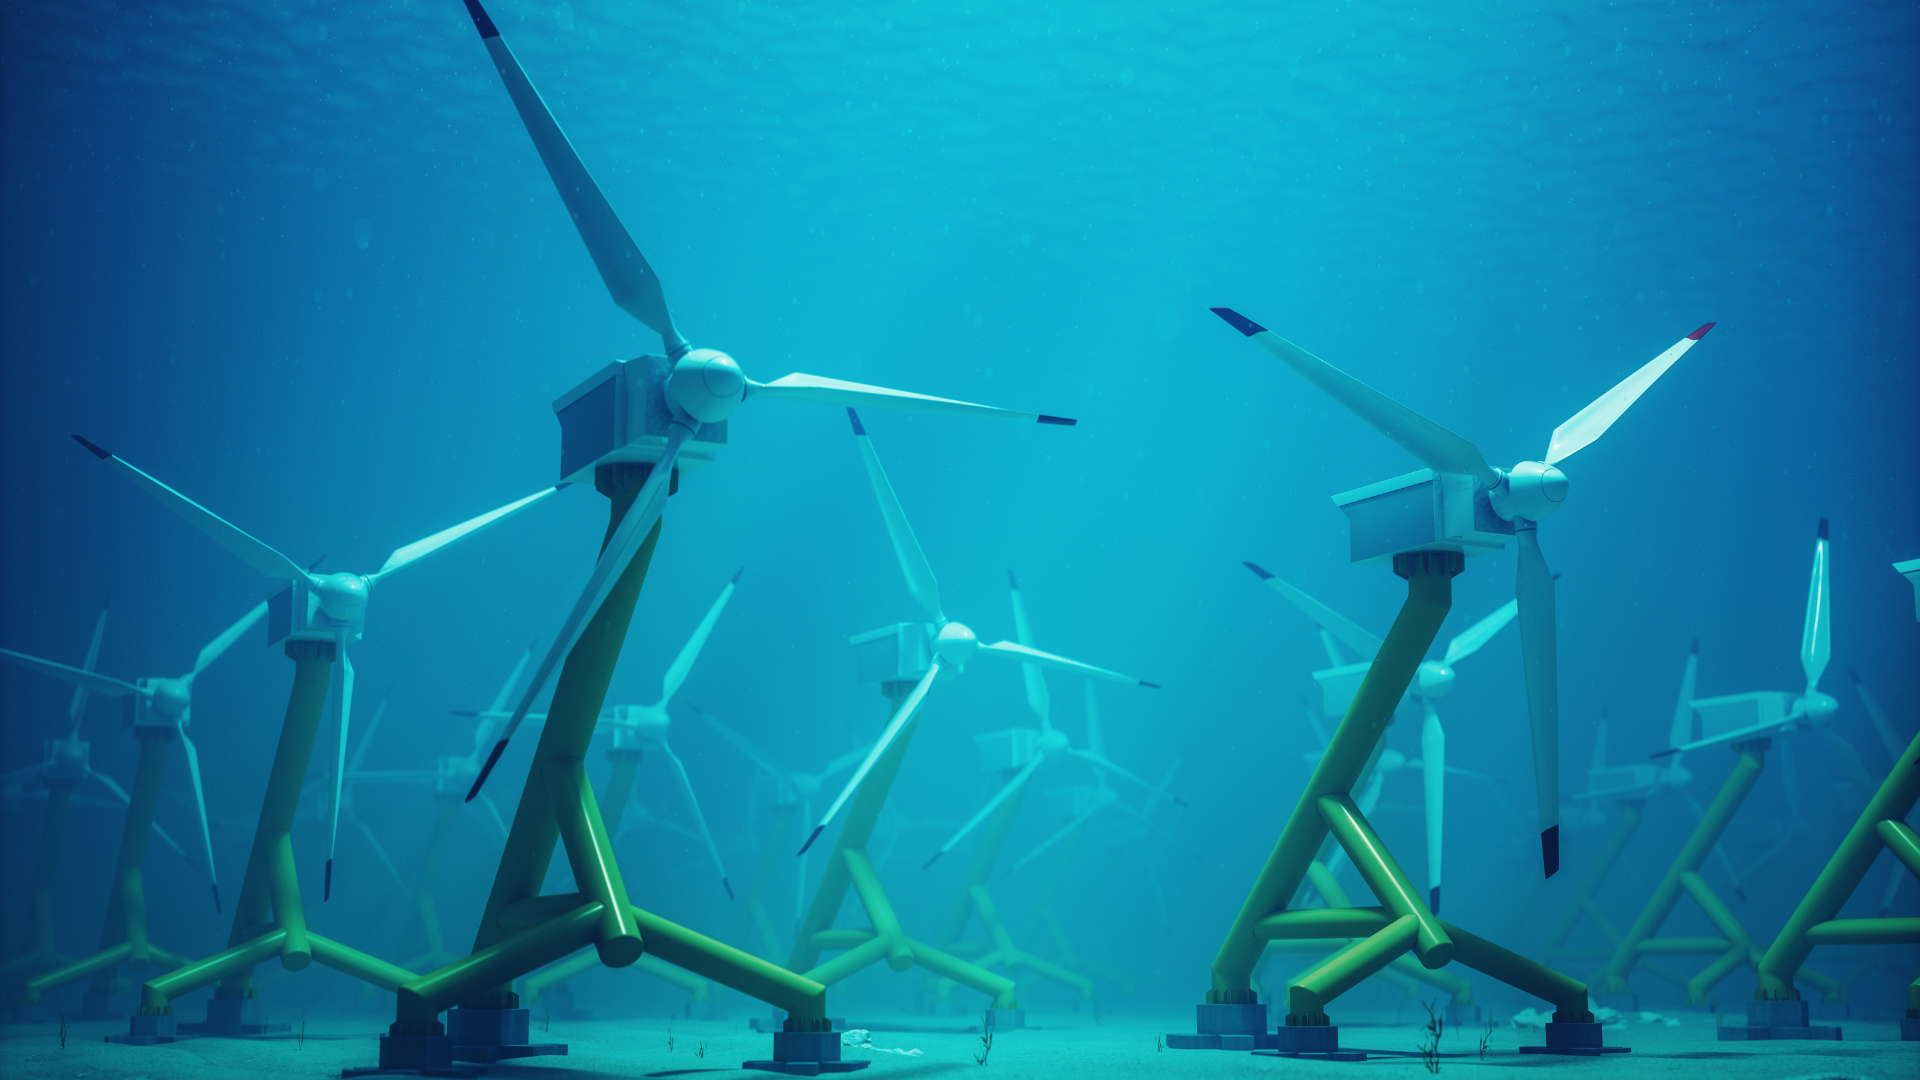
{"x": 956, "y": 644}
{"x": 1819, "y": 706}
{"x": 170, "y": 697}
{"x": 1531, "y": 490}
{"x": 343, "y": 597}
{"x": 706, "y": 384}
{"x": 1391, "y": 760}
{"x": 645, "y": 724}
{"x": 1052, "y": 741}
{"x": 1676, "y": 777}
{"x": 1435, "y": 679}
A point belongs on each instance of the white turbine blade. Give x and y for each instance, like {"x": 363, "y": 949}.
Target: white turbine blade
{"x": 493, "y": 808}
{"x": 1455, "y": 770}
{"x": 225, "y": 533}
{"x": 1436, "y": 447}
{"x": 506, "y": 689}
{"x": 842, "y": 763}
{"x": 700, "y": 819}
{"x": 1324, "y": 617}
{"x": 380, "y": 850}
{"x": 629, "y": 279}
{"x": 682, "y": 664}
{"x": 420, "y": 549}
{"x": 648, "y": 504}
{"x": 200, "y": 803}
{"x": 94, "y": 682}
{"x": 900, "y": 718}
{"x": 373, "y": 728}
{"x": 1468, "y": 641}
{"x": 853, "y": 395}
{"x": 1019, "y": 781}
{"x": 1036, "y": 681}
{"x": 1104, "y": 765}
{"x": 108, "y": 783}
{"x": 342, "y": 721}
{"x": 1433, "y": 769}
{"x": 77, "y": 708}
{"x": 1096, "y": 736}
{"x": 1591, "y": 422}
{"x": 1682, "y": 730}
{"x": 1065, "y": 831}
{"x": 906, "y": 547}
{"x": 1816, "y": 635}
{"x": 1538, "y": 649}
{"x": 740, "y": 742}
{"x": 1160, "y": 790}
{"x": 168, "y": 839}
{"x": 1888, "y": 737}
{"x": 1035, "y": 656}
{"x": 227, "y": 637}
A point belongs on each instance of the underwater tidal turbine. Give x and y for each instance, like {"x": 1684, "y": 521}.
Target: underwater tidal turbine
{"x": 1425, "y": 525}
{"x": 631, "y": 426}
{"x": 317, "y": 616}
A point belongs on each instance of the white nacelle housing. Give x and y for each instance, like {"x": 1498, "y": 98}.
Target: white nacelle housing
{"x": 901, "y": 652}
{"x": 620, "y": 414}
{"x": 1421, "y": 511}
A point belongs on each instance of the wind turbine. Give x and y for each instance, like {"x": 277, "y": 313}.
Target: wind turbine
{"x": 163, "y": 705}
{"x": 1026, "y": 749}
{"x": 1763, "y": 713}
{"x": 1432, "y": 681}
{"x": 792, "y": 788}
{"x": 650, "y": 410}
{"x": 953, "y": 644}
{"x": 313, "y": 605}
{"x": 1472, "y": 507}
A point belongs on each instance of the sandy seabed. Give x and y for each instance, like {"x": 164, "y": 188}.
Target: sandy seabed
{"x": 1067, "y": 1046}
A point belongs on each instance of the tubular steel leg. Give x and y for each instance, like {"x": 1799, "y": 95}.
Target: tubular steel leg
{"x": 1746, "y": 772}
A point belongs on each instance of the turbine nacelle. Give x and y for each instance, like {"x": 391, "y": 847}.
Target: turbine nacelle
{"x": 1817, "y": 707}
{"x": 706, "y": 384}
{"x": 1391, "y": 760}
{"x": 1531, "y": 490}
{"x": 169, "y": 697}
{"x": 1052, "y": 741}
{"x": 640, "y": 726}
{"x": 1675, "y": 776}
{"x": 1433, "y": 680}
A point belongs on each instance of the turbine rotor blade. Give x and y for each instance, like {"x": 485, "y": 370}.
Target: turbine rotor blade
{"x": 1018, "y": 781}
{"x": 683, "y": 663}
{"x": 1590, "y": 423}
{"x": 628, "y": 277}
{"x": 852, "y": 395}
{"x": 740, "y": 742}
{"x": 1036, "y": 681}
{"x": 506, "y": 689}
{"x": 1888, "y": 737}
{"x": 1816, "y": 634}
{"x": 200, "y": 802}
{"x": 1065, "y": 831}
{"x": 900, "y": 717}
{"x": 906, "y": 547}
{"x": 1469, "y": 641}
{"x": 92, "y": 681}
{"x": 251, "y": 551}
{"x": 77, "y": 708}
{"x": 1433, "y": 770}
{"x": 1682, "y": 730}
{"x": 231, "y": 634}
{"x": 1341, "y": 627}
{"x": 700, "y": 819}
{"x": 420, "y": 549}
{"x": 342, "y": 719}
{"x": 1046, "y": 659}
{"x": 648, "y": 504}
{"x": 1436, "y": 447}
{"x": 1538, "y": 650}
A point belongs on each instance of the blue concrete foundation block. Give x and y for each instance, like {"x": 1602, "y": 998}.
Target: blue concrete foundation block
{"x": 1006, "y": 1019}
{"x": 1778, "y": 1014}
{"x": 149, "y": 1030}
{"x": 1223, "y": 1027}
{"x": 1463, "y": 1016}
{"x": 1308, "y": 1042}
{"x": 1750, "y": 1033}
{"x": 489, "y": 1027}
{"x": 805, "y": 1053}
{"x": 1575, "y": 1040}
{"x": 1910, "y": 1029}
{"x": 416, "y": 1056}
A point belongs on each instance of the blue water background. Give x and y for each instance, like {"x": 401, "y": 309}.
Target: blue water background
{"x": 300, "y": 260}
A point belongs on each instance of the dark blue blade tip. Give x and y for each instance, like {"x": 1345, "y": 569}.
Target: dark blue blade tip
{"x": 1183, "y": 804}
{"x": 1823, "y": 528}
{"x": 1258, "y": 571}
{"x": 855, "y": 417}
{"x": 326, "y": 889}
{"x": 930, "y": 862}
{"x": 817, "y": 830}
{"x": 1550, "y": 851}
{"x": 1063, "y": 421}
{"x": 1012, "y": 582}
{"x": 1663, "y": 753}
{"x": 1238, "y": 321}
{"x": 727, "y": 885}
{"x": 487, "y": 769}
{"x": 97, "y": 451}
{"x": 1433, "y": 899}
{"x": 736, "y": 576}
{"x": 481, "y": 21}
{"x": 1150, "y": 685}
{"x": 216, "y": 899}
{"x": 1696, "y": 647}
